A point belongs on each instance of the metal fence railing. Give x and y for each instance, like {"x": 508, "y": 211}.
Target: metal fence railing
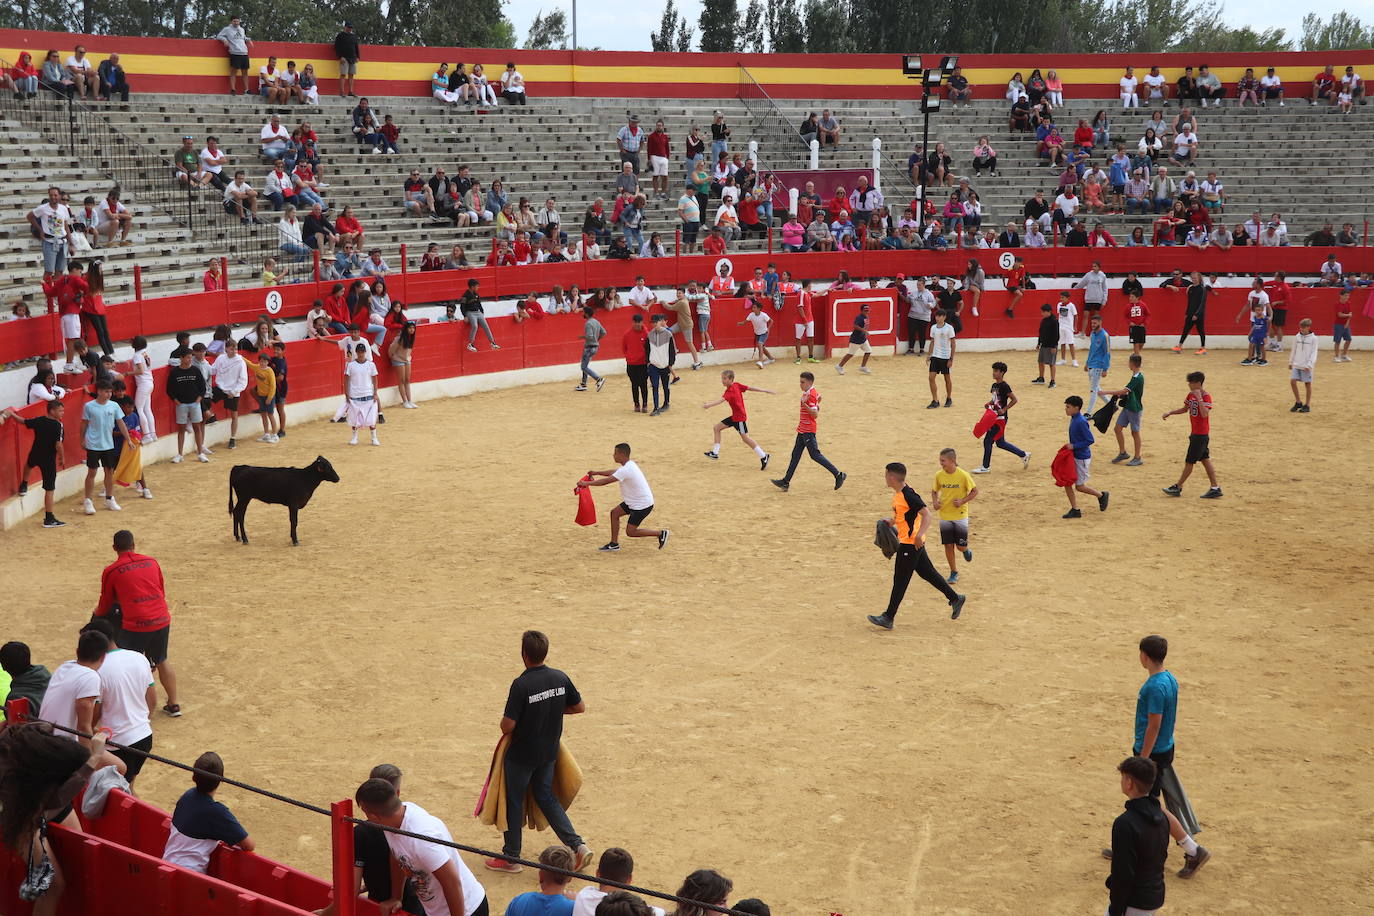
{"x": 767, "y": 123}
{"x": 83, "y": 134}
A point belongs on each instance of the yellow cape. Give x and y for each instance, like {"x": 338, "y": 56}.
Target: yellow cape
{"x": 491, "y": 806}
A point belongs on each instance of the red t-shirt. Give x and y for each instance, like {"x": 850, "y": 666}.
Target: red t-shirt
{"x": 69, "y": 293}
{"x": 534, "y": 308}
{"x": 1083, "y": 136}
{"x": 1137, "y": 313}
{"x": 805, "y": 305}
{"x": 1201, "y": 426}
{"x": 135, "y": 581}
{"x": 348, "y": 224}
{"x": 1324, "y": 80}
{"x": 1016, "y": 278}
{"x": 1343, "y": 312}
{"x": 749, "y": 211}
{"x": 635, "y": 344}
{"x": 93, "y": 304}
{"x": 807, "y": 423}
{"x": 734, "y": 396}
{"x": 658, "y": 144}
{"x": 804, "y": 208}
{"x": 713, "y": 245}
{"x": 336, "y": 307}
{"x": 1278, "y": 293}
{"x": 520, "y": 250}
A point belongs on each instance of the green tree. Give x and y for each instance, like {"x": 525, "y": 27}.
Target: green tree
{"x": 719, "y": 25}
{"x": 752, "y": 38}
{"x": 548, "y": 32}
{"x": 1222, "y": 39}
{"x": 684, "y": 35}
{"x": 827, "y": 27}
{"x": 665, "y": 38}
{"x": 786, "y": 31}
{"x": 1342, "y": 31}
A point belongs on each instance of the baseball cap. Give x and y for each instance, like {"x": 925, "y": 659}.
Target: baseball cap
{"x": 901, "y": 277}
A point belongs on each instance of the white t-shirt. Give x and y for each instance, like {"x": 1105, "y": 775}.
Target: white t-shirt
{"x": 267, "y": 133}
{"x": 759, "y": 321}
{"x": 641, "y": 296}
{"x": 1352, "y": 82}
{"x": 349, "y": 348}
{"x": 1270, "y": 82}
{"x": 1153, "y": 81}
{"x": 236, "y": 187}
{"x": 83, "y": 64}
{"x": 922, "y": 304}
{"x": 1067, "y": 205}
{"x": 360, "y": 376}
{"x": 1328, "y": 268}
{"x": 1258, "y": 297}
{"x": 1128, "y": 84}
{"x": 54, "y": 220}
{"x": 104, "y": 213}
{"x": 729, "y": 194}
{"x": 423, "y": 859}
{"x": 125, "y": 677}
{"x": 1066, "y": 312}
{"x": 1183, "y": 141}
{"x": 942, "y": 340}
{"x": 207, "y": 159}
{"x": 72, "y": 681}
{"x": 634, "y": 489}
{"x": 287, "y": 78}
{"x": 272, "y": 77}
{"x": 584, "y": 904}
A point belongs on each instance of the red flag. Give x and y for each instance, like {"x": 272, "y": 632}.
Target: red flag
{"x": 987, "y": 421}
{"x": 586, "y": 506}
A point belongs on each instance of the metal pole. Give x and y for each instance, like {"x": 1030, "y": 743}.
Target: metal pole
{"x": 925, "y": 162}
{"x": 574, "y": 30}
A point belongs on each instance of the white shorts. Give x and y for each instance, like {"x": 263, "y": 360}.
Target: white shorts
{"x": 71, "y": 326}
{"x": 805, "y": 331}
{"x": 658, "y": 165}
{"x": 1065, "y": 335}
{"x": 856, "y": 348}
{"x": 1083, "y": 468}
{"x": 362, "y": 413}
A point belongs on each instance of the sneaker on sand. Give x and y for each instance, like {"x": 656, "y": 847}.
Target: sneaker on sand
{"x": 839, "y": 370}
{"x": 599, "y": 383}
{"x": 1120, "y": 457}
{"x": 1072, "y": 513}
{"x": 53, "y": 521}
{"x": 956, "y": 607}
{"x": 1134, "y": 463}
{"x": 173, "y": 710}
{"x": 177, "y": 459}
{"x": 1212, "y": 493}
{"x": 112, "y": 505}
{"x": 509, "y": 868}
{"x": 662, "y": 540}
{"x": 981, "y": 470}
{"x": 88, "y": 507}
{"x": 611, "y": 546}
{"x": 1173, "y": 489}
{"x": 580, "y": 388}
{"x": 1025, "y": 461}
{"x": 202, "y": 458}
{"x": 880, "y": 620}
{"x": 1191, "y": 864}
{"x": 763, "y": 462}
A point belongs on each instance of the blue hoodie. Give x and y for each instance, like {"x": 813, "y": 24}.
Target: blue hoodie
{"x": 1099, "y": 356}
{"x": 1080, "y": 436}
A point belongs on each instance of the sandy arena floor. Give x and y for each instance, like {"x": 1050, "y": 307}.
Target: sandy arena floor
{"x": 742, "y": 714}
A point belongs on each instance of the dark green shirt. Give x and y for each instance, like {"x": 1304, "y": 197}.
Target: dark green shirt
{"x": 1136, "y": 387}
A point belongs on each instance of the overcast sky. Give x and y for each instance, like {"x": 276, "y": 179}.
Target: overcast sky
{"x": 617, "y": 27}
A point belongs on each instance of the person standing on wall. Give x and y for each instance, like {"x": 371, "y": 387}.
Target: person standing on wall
{"x": 346, "y": 49}
{"x": 236, "y": 42}
{"x": 133, "y": 583}
{"x": 535, "y": 706}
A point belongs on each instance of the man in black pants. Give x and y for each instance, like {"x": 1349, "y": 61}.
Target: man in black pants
{"x": 538, "y": 700}
{"x": 911, "y": 518}
{"x": 806, "y": 436}
{"x": 1196, "y": 315}
{"x": 1140, "y": 844}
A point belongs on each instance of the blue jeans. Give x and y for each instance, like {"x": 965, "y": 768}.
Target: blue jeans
{"x": 378, "y": 332}
{"x": 806, "y": 442}
{"x": 634, "y": 239}
{"x": 1094, "y": 387}
{"x": 54, "y": 256}
{"x": 662, "y": 377}
{"x": 989, "y": 440}
{"x": 718, "y": 147}
{"x": 298, "y": 252}
{"x": 387, "y": 145}
{"x": 538, "y": 781}
{"x": 27, "y": 84}
{"x": 274, "y": 150}
{"x": 588, "y": 351}
{"x": 1134, "y": 204}
{"x": 309, "y": 197}
{"x": 338, "y": 327}
{"x": 1163, "y": 203}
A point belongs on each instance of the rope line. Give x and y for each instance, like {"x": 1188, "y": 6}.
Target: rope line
{"x": 462, "y": 847}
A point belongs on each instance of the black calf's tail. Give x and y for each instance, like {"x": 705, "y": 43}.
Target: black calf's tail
{"x": 231, "y": 496}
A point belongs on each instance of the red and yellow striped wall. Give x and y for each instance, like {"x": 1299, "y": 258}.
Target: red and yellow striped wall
{"x": 199, "y": 66}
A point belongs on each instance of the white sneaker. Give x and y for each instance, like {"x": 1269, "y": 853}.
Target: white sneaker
{"x": 177, "y": 459}
{"x": 1075, "y": 364}
{"x": 206, "y": 450}
{"x": 354, "y": 440}
{"x": 264, "y": 438}
{"x": 274, "y": 438}
{"x": 112, "y": 505}
{"x": 839, "y": 370}
{"x": 759, "y": 364}
{"x": 69, "y": 368}
{"x": 375, "y": 440}
{"x": 147, "y": 493}
{"x": 1059, "y": 362}
{"x": 410, "y": 405}
{"x": 981, "y": 470}
{"x": 1280, "y": 103}
{"x": 203, "y": 458}
{"x": 1337, "y": 359}
{"x": 88, "y": 507}
{"x": 1025, "y": 460}
{"x": 150, "y": 438}
{"x": 865, "y": 370}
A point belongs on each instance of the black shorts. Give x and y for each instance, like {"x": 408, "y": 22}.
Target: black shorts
{"x": 48, "y": 466}
{"x": 1162, "y": 760}
{"x": 636, "y": 516}
{"x": 230, "y": 404}
{"x": 133, "y": 763}
{"x": 151, "y": 643}
{"x": 954, "y": 532}
{"x": 1089, "y": 308}
{"x": 281, "y": 395}
{"x": 1197, "y": 449}
{"x": 1137, "y": 333}
{"x": 238, "y": 61}
{"x": 955, "y": 322}
{"x": 939, "y": 365}
{"x": 741, "y": 426}
{"x": 1280, "y": 317}
{"x": 106, "y": 458}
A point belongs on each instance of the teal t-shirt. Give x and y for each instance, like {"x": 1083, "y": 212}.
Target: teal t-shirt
{"x": 1136, "y": 387}
{"x": 1158, "y": 695}
{"x": 100, "y": 424}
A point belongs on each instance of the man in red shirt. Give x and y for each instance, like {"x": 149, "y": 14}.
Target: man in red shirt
{"x": 1198, "y": 406}
{"x": 1016, "y": 285}
{"x": 738, "y": 419}
{"x": 1324, "y": 86}
{"x": 660, "y": 153}
{"x": 806, "y": 436}
{"x": 133, "y": 585}
{"x": 635, "y": 345}
{"x": 69, "y": 291}
{"x": 714, "y": 244}
{"x": 1280, "y": 293}
{"x": 805, "y": 324}
{"x": 1137, "y": 314}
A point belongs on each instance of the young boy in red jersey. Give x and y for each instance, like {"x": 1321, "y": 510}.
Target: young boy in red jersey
{"x": 1198, "y": 406}
{"x": 1137, "y": 314}
{"x": 1016, "y": 285}
{"x": 1280, "y": 294}
{"x": 1340, "y": 330}
{"x": 805, "y": 324}
{"x": 738, "y": 419}
{"x": 806, "y": 436}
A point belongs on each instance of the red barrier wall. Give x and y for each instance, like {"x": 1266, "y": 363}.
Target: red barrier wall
{"x": 166, "y": 315}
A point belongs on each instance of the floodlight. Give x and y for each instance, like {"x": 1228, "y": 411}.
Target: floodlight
{"x": 948, "y": 64}
{"x": 930, "y": 104}
{"x": 911, "y": 64}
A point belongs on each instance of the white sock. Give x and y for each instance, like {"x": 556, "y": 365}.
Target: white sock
{"x": 1189, "y": 845}
{"x": 758, "y": 450}
{"x": 715, "y": 448}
